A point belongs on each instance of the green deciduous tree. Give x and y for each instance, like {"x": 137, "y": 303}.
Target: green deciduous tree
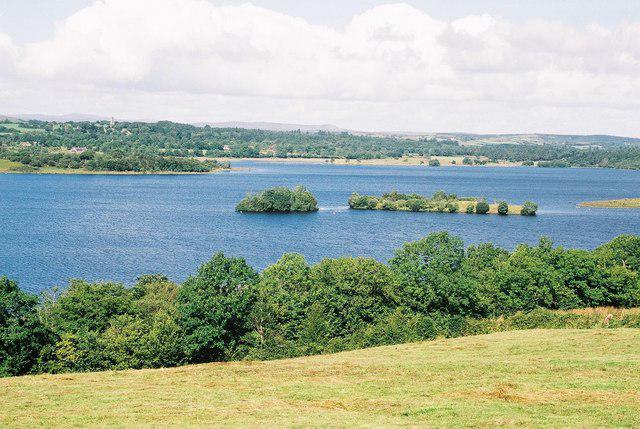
{"x": 353, "y": 292}
{"x": 22, "y": 334}
{"x": 214, "y": 308}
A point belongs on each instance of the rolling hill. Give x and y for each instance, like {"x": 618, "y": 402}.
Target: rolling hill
{"x": 542, "y": 378}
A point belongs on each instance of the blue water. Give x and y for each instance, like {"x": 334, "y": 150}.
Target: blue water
{"x": 56, "y": 227}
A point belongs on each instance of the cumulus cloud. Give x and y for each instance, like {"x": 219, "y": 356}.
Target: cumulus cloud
{"x": 388, "y": 54}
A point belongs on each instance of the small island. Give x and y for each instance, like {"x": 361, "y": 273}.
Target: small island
{"x": 440, "y": 202}
{"x": 623, "y": 203}
{"x": 279, "y": 200}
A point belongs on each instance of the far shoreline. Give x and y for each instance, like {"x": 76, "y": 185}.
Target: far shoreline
{"x": 72, "y": 172}
{"x": 445, "y": 161}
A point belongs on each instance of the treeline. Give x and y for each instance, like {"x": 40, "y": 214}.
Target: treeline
{"x": 183, "y": 140}
{"x": 35, "y": 158}
{"x": 227, "y": 311}
{"x": 279, "y": 200}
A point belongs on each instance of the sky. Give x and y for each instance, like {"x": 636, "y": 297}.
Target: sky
{"x": 494, "y": 66}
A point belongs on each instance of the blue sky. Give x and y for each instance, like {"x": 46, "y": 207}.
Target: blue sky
{"x": 479, "y": 66}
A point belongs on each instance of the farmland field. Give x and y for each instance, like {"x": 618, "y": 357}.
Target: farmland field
{"x": 544, "y": 378}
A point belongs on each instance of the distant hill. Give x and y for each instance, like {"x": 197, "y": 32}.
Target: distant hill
{"x": 70, "y": 117}
{"x": 568, "y": 139}
{"x": 273, "y": 126}
{"x": 464, "y": 138}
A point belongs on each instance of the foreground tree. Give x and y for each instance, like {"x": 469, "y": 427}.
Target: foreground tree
{"x": 214, "y": 308}
{"x": 22, "y": 335}
{"x": 281, "y": 305}
{"x": 353, "y": 292}
{"x": 424, "y": 266}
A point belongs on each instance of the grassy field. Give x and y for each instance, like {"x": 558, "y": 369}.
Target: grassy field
{"x": 6, "y": 165}
{"x": 542, "y": 378}
{"x": 625, "y": 203}
{"x": 18, "y": 127}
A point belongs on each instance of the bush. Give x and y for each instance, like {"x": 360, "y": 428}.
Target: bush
{"x": 529, "y": 209}
{"x": 503, "y": 208}
{"x": 470, "y": 208}
{"x": 482, "y": 207}
{"x": 434, "y": 163}
{"x": 452, "y": 207}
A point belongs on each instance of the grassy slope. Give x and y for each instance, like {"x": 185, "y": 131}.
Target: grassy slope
{"x": 579, "y": 378}
{"x": 6, "y": 165}
{"x": 625, "y": 203}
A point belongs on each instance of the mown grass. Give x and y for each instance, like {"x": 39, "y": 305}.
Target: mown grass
{"x": 18, "y": 127}
{"x": 542, "y": 378}
{"x": 6, "y": 165}
{"x": 625, "y": 203}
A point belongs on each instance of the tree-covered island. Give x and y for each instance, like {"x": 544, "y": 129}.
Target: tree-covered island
{"x": 279, "y": 200}
{"x": 440, "y": 202}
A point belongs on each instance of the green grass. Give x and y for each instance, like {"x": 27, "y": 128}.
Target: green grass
{"x": 6, "y": 165}
{"x": 542, "y": 378}
{"x": 625, "y": 203}
{"x": 18, "y": 127}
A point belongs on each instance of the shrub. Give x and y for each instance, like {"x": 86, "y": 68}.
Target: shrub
{"x": 503, "y": 208}
{"x": 357, "y": 201}
{"x": 434, "y": 163}
{"x": 482, "y": 207}
{"x": 529, "y": 209}
{"x": 470, "y": 208}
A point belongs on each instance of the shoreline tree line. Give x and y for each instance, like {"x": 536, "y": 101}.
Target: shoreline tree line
{"x": 122, "y": 142}
{"x": 433, "y": 287}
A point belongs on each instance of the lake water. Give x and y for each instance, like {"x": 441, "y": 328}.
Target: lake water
{"x": 104, "y": 227}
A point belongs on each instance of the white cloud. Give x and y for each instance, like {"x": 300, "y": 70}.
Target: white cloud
{"x": 390, "y": 54}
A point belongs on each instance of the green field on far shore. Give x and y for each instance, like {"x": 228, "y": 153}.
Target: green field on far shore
{"x": 624, "y": 203}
